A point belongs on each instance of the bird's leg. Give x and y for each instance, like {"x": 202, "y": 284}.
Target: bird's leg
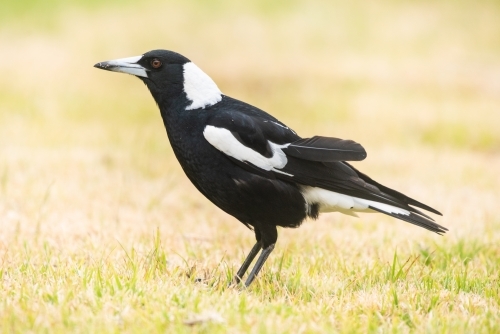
{"x": 258, "y": 265}
{"x": 268, "y": 235}
{"x": 244, "y": 267}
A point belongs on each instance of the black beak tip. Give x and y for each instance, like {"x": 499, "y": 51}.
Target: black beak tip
{"x": 102, "y": 65}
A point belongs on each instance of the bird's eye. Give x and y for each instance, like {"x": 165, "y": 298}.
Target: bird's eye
{"x": 156, "y": 63}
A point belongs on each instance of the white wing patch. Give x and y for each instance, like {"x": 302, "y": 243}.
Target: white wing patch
{"x": 330, "y": 201}
{"x": 199, "y": 87}
{"x": 223, "y": 140}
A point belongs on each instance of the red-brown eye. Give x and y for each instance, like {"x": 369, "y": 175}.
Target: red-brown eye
{"x": 156, "y": 63}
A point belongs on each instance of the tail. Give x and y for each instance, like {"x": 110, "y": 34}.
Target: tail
{"x": 414, "y": 218}
{"x": 411, "y": 215}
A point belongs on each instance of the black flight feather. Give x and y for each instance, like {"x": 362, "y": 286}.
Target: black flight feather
{"x": 326, "y": 149}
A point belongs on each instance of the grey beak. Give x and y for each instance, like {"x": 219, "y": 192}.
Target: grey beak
{"x": 124, "y": 65}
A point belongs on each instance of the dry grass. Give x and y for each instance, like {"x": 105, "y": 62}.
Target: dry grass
{"x": 101, "y": 231}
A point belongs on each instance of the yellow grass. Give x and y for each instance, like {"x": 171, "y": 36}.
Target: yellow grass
{"x": 102, "y": 232}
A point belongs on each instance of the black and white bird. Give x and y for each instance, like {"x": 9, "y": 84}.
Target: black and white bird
{"x": 254, "y": 167}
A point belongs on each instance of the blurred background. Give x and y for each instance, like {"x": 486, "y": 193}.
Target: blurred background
{"x": 417, "y": 83}
{"x": 87, "y": 173}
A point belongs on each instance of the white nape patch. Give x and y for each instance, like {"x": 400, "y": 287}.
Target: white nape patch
{"x": 223, "y": 140}
{"x": 199, "y": 88}
{"x": 127, "y": 65}
{"x": 330, "y": 201}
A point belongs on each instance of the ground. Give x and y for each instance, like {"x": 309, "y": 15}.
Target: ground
{"x": 102, "y": 232}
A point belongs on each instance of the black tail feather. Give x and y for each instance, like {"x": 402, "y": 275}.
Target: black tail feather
{"x": 416, "y": 219}
{"x": 396, "y": 194}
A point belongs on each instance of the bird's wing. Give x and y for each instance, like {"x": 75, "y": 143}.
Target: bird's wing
{"x": 259, "y": 133}
{"x": 325, "y": 149}
{"x": 270, "y": 149}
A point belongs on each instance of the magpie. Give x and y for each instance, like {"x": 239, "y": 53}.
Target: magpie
{"x": 254, "y": 167}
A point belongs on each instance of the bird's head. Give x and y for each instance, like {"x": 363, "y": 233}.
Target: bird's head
{"x": 170, "y": 77}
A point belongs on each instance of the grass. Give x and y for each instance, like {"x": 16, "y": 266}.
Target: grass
{"x": 102, "y": 232}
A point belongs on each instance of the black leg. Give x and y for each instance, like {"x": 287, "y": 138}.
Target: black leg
{"x": 244, "y": 267}
{"x": 258, "y": 265}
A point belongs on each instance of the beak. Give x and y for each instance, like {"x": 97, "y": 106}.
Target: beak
{"x": 124, "y": 65}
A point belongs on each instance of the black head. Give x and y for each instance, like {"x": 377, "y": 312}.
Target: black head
{"x": 170, "y": 77}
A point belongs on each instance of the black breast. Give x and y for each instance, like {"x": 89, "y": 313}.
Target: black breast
{"x": 252, "y": 199}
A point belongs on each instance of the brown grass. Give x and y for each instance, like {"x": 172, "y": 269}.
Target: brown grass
{"x": 102, "y": 232}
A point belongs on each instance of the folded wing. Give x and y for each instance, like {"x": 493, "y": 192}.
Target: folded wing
{"x": 326, "y": 149}
{"x": 266, "y": 147}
